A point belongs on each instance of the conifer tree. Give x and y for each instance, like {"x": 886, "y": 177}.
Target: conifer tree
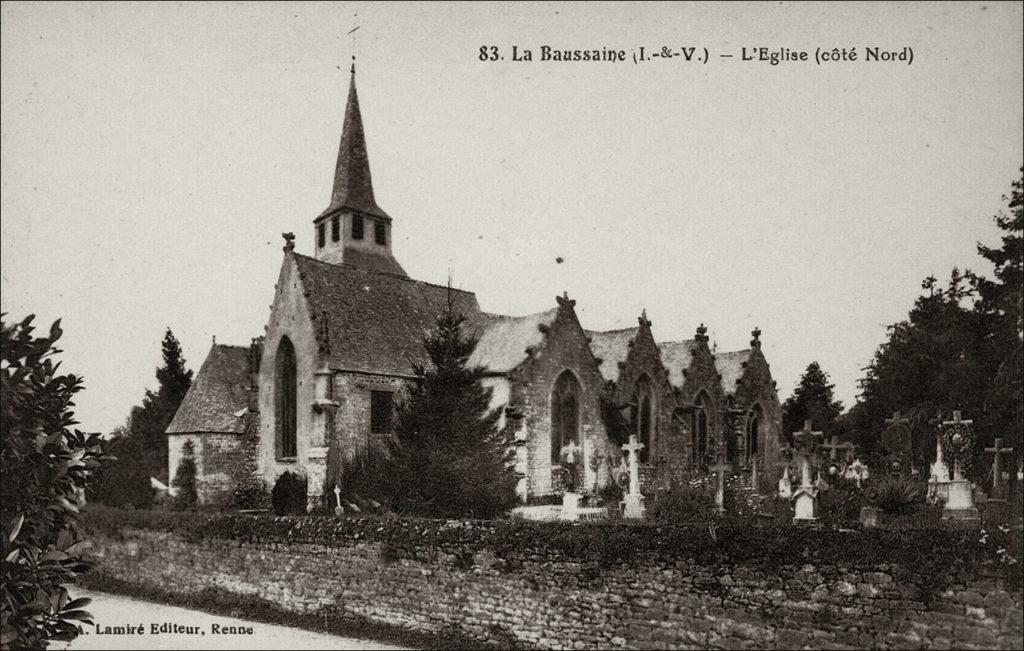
{"x": 185, "y": 479}
{"x": 140, "y": 446}
{"x": 449, "y": 458}
{"x": 812, "y": 400}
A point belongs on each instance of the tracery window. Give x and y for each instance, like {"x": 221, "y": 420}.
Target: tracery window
{"x": 565, "y": 403}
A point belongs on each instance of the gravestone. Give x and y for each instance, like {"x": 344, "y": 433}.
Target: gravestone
{"x": 806, "y": 495}
{"x": 997, "y": 451}
{"x": 897, "y": 441}
{"x": 338, "y": 509}
{"x": 720, "y": 468}
{"x": 938, "y": 473}
{"x": 857, "y": 471}
{"x": 633, "y": 502}
{"x": 785, "y": 485}
{"x": 570, "y": 498}
{"x": 960, "y": 505}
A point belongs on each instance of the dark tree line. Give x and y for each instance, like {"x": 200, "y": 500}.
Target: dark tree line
{"x": 960, "y": 348}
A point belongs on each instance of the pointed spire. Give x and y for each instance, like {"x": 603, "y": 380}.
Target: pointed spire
{"x": 353, "y": 187}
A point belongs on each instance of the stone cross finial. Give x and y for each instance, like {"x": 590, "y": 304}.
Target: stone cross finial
{"x": 997, "y": 465}
{"x": 643, "y": 319}
{"x": 756, "y": 334}
{"x": 289, "y": 241}
{"x": 702, "y": 333}
{"x": 565, "y": 300}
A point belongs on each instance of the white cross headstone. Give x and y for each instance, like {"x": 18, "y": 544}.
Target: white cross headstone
{"x": 785, "y": 485}
{"x": 806, "y": 496}
{"x": 570, "y": 499}
{"x": 721, "y": 468}
{"x": 634, "y": 501}
{"x": 960, "y": 504}
{"x": 338, "y": 510}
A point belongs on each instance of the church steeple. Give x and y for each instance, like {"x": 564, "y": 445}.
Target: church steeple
{"x": 354, "y": 229}
{"x": 353, "y": 186}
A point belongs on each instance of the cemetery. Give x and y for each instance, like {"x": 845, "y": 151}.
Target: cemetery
{"x": 839, "y": 555}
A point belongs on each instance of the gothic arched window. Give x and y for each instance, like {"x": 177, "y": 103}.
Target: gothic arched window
{"x": 643, "y": 417}
{"x": 284, "y": 398}
{"x": 754, "y": 431}
{"x": 699, "y": 444}
{"x": 565, "y": 405}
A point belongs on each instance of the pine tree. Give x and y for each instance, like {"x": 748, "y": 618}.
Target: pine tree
{"x": 932, "y": 363}
{"x": 185, "y": 479}
{"x": 1001, "y": 305}
{"x": 449, "y": 458}
{"x": 141, "y": 445}
{"x": 812, "y": 400}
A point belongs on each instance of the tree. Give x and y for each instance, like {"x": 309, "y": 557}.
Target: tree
{"x": 932, "y": 363}
{"x": 141, "y": 445}
{"x": 449, "y": 458}
{"x": 46, "y": 466}
{"x": 185, "y": 478}
{"x": 1001, "y": 305}
{"x": 812, "y": 400}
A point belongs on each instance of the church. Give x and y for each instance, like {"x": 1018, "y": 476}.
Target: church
{"x": 319, "y": 388}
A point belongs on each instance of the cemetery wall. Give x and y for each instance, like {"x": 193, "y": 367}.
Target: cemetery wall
{"x": 564, "y": 586}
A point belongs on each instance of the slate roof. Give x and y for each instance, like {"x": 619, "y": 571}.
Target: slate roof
{"x": 353, "y": 186}
{"x": 218, "y": 392}
{"x": 611, "y": 347}
{"x": 676, "y": 356}
{"x": 730, "y": 367}
{"x": 376, "y": 321}
{"x": 503, "y": 340}
{"x": 374, "y": 261}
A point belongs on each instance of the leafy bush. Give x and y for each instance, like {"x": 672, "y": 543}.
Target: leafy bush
{"x": 289, "y": 494}
{"x": 46, "y": 468}
{"x": 252, "y": 496}
{"x": 896, "y": 493}
{"x": 840, "y": 505}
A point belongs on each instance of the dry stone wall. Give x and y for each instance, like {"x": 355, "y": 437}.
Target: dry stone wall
{"x": 607, "y": 586}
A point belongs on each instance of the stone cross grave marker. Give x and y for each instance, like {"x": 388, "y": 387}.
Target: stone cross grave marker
{"x": 634, "y": 501}
{"x": 958, "y": 470}
{"x": 806, "y": 496}
{"x": 785, "y": 485}
{"x": 960, "y": 504}
{"x": 896, "y": 439}
{"x": 721, "y": 467}
{"x": 338, "y": 510}
{"x": 569, "y": 453}
{"x": 997, "y": 451}
{"x": 570, "y": 499}
{"x": 754, "y": 472}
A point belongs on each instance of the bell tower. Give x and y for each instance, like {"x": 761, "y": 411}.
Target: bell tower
{"x": 354, "y": 229}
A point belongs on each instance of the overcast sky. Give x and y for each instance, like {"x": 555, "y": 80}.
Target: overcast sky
{"x": 153, "y": 154}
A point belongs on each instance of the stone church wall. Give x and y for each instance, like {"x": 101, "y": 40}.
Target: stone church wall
{"x": 564, "y": 347}
{"x": 289, "y": 316}
{"x": 218, "y": 458}
{"x": 598, "y": 586}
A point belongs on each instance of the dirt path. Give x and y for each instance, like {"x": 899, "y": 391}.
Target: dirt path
{"x": 126, "y": 623}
